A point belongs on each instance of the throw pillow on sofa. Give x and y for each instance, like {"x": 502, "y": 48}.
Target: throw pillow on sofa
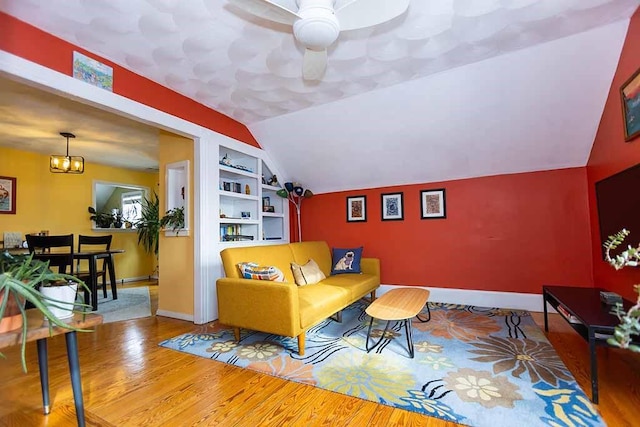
{"x": 307, "y": 274}
{"x": 251, "y": 270}
{"x": 346, "y": 260}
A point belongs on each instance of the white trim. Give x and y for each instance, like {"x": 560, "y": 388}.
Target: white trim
{"x": 173, "y": 314}
{"x": 132, "y": 279}
{"x": 514, "y": 300}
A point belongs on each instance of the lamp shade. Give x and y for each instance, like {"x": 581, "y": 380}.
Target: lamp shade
{"x": 288, "y": 186}
{"x": 298, "y": 191}
{"x": 282, "y": 193}
{"x": 307, "y": 193}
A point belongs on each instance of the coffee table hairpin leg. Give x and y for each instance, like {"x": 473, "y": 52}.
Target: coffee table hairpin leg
{"x": 407, "y": 328}
{"x": 381, "y": 336}
{"x": 428, "y": 313}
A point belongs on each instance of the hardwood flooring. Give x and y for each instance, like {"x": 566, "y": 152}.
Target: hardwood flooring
{"x": 128, "y": 380}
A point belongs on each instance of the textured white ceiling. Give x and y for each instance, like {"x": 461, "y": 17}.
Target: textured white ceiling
{"x": 32, "y": 119}
{"x": 450, "y": 89}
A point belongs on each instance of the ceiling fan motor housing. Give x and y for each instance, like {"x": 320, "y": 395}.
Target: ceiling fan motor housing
{"x": 318, "y": 27}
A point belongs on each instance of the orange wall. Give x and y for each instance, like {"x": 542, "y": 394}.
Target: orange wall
{"x": 502, "y": 233}
{"x": 611, "y": 154}
{"x": 33, "y": 44}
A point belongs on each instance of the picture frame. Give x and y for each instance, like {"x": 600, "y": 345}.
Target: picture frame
{"x": 392, "y": 207}
{"x": 357, "y": 209}
{"x": 8, "y": 195}
{"x": 266, "y": 201}
{"x": 433, "y": 204}
{"x": 630, "y": 97}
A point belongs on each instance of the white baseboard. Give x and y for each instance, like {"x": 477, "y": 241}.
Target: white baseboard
{"x": 515, "y": 300}
{"x": 133, "y": 279}
{"x": 174, "y": 315}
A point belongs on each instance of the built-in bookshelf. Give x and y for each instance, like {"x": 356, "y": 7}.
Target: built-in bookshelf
{"x": 250, "y": 209}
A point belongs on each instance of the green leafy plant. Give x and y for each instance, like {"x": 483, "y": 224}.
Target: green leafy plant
{"x": 102, "y": 219}
{"x": 20, "y": 279}
{"x": 173, "y": 219}
{"x": 629, "y": 320}
{"x": 148, "y": 226}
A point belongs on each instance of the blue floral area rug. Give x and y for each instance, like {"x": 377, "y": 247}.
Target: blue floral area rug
{"x": 477, "y": 366}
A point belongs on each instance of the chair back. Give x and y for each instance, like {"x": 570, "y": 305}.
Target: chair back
{"x": 103, "y": 241}
{"x": 40, "y": 247}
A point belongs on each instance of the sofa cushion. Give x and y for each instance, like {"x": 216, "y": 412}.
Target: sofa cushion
{"x": 251, "y": 270}
{"x": 358, "y": 285}
{"x": 316, "y": 250}
{"x": 307, "y": 274}
{"x": 346, "y": 260}
{"x": 317, "y": 302}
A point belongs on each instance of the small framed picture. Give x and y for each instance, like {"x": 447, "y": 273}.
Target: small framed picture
{"x": 392, "y": 207}
{"x": 433, "y": 203}
{"x": 630, "y": 95}
{"x": 245, "y": 214}
{"x": 266, "y": 201}
{"x": 7, "y": 195}
{"x": 356, "y": 208}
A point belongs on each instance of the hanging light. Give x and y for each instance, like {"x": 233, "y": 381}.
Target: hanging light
{"x": 66, "y": 164}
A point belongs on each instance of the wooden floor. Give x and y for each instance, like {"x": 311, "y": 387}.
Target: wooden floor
{"x": 128, "y": 380}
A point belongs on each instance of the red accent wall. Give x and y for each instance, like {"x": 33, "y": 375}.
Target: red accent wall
{"x": 503, "y": 233}
{"x": 33, "y": 44}
{"x": 611, "y": 154}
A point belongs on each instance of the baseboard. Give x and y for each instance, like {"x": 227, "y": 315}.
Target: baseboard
{"x": 133, "y": 279}
{"x": 174, "y": 315}
{"x": 515, "y": 300}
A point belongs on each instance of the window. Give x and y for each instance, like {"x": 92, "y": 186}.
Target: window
{"x": 132, "y": 206}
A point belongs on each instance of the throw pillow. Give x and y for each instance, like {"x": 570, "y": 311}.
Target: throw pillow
{"x": 251, "y": 270}
{"x": 346, "y": 260}
{"x": 307, "y": 274}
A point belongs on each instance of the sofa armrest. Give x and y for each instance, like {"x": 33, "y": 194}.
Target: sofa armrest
{"x": 259, "y": 305}
{"x": 370, "y": 266}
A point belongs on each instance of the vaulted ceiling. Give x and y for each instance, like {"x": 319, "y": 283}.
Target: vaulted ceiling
{"x": 450, "y": 89}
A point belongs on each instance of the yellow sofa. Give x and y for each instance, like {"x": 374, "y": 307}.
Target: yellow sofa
{"x": 283, "y": 308}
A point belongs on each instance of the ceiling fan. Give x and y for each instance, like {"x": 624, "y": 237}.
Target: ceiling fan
{"x": 317, "y": 23}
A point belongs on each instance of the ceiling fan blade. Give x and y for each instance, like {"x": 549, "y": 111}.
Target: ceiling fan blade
{"x": 314, "y": 64}
{"x": 366, "y": 13}
{"x": 267, "y": 9}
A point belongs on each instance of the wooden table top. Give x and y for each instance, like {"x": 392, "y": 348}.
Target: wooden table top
{"x": 38, "y": 328}
{"x": 399, "y": 304}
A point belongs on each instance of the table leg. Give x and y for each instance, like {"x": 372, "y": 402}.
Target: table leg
{"x": 44, "y": 374}
{"x": 594, "y": 366}
{"x": 428, "y": 312}
{"x": 74, "y": 369}
{"x": 93, "y": 282}
{"x": 544, "y": 306}
{"x": 381, "y": 336}
{"x": 407, "y": 327}
{"x": 112, "y": 276}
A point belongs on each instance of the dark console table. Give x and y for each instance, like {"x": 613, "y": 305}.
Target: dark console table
{"x": 587, "y": 315}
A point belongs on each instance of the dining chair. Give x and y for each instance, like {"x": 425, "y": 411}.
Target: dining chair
{"x": 62, "y": 255}
{"x": 91, "y": 243}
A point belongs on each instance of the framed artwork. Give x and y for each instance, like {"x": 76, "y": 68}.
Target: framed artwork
{"x": 7, "y": 195}
{"x": 630, "y": 95}
{"x": 356, "y": 208}
{"x": 432, "y": 203}
{"x": 392, "y": 207}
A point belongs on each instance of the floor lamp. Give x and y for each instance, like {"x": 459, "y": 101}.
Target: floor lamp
{"x": 295, "y": 194}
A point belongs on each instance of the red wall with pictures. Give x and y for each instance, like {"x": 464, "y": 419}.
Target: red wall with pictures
{"x": 509, "y": 233}
{"x": 33, "y": 44}
{"x": 611, "y": 154}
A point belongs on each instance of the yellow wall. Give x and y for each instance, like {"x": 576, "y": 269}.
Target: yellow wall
{"x": 176, "y": 254}
{"x": 59, "y": 202}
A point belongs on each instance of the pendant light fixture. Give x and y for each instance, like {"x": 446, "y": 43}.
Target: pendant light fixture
{"x": 59, "y": 163}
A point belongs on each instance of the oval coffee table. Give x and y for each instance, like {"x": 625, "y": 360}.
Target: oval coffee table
{"x": 400, "y": 304}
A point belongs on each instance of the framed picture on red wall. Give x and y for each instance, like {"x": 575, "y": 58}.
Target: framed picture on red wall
{"x": 432, "y": 203}
{"x": 356, "y": 209}
{"x": 630, "y": 95}
{"x": 7, "y": 195}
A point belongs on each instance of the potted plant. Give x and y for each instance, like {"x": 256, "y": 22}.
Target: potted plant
{"x": 173, "y": 219}
{"x": 102, "y": 219}
{"x": 148, "y": 226}
{"x": 21, "y": 278}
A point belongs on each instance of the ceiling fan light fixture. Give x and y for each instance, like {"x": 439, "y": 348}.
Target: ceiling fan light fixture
{"x": 318, "y": 27}
{"x": 61, "y": 163}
